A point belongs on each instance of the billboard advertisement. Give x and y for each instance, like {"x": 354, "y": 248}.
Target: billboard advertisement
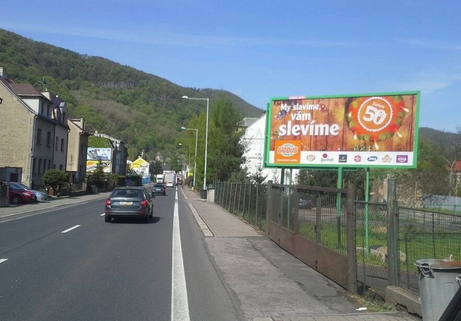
{"x": 366, "y": 130}
{"x": 94, "y": 154}
{"x": 99, "y": 157}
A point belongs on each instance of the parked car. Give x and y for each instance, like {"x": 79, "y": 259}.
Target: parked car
{"x": 159, "y": 189}
{"x": 39, "y": 195}
{"x": 19, "y": 194}
{"x": 305, "y": 203}
{"x": 129, "y": 202}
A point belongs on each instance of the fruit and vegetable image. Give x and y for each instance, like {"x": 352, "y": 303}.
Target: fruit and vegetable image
{"x": 375, "y": 119}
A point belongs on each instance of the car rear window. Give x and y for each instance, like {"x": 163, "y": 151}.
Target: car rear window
{"x": 128, "y": 193}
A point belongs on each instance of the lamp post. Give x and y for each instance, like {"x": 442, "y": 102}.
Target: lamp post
{"x": 195, "y": 159}
{"x": 206, "y": 134}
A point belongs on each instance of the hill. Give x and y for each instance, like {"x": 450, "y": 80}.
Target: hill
{"x": 141, "y": 109}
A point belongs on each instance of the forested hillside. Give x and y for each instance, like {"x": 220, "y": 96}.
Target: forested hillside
{"x": 144, "y": 110}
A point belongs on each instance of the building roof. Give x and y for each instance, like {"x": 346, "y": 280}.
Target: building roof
{"x": 247, "y": 121}
{"x": 25, "y": 90}
{"x": 8, "y": 87}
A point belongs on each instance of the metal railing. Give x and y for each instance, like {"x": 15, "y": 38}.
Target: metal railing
{"x": 389, "y": 238}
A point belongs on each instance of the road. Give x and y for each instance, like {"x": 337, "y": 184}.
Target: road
{"x": 68, "y": 264}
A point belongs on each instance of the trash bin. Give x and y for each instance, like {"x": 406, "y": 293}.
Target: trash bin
{"x": 203, "y": 194}
{"x": 437, "y": 285}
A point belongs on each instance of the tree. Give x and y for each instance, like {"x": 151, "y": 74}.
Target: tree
{"x": 329, "y": 178}
{"x": 225, "y": 153}
{"x": 155, "y": 167}
{"x": 259, "y": 177}
{"x": 55, "y": 178}
{"x": 449, "y": 147}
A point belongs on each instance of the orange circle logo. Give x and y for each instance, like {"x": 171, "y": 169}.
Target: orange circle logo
{"x": 375, "y": 114}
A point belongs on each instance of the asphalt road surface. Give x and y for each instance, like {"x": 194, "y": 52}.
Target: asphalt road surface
{"x": 68, "y": 264}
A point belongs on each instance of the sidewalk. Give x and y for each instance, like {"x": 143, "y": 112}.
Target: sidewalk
{"x": 53, "y": 201}
{"x": 272, "y": 285}
{"x": 265, "y": 282}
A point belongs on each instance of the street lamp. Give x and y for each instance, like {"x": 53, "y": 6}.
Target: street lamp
{"x": 206, "y": 134}
{"x": 195, "y": 160}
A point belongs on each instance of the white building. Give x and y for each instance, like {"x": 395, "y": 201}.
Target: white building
{"x": 253, "y": 139}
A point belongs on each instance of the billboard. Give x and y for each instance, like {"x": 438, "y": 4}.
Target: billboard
{"x": 99, "y": 157}
{"x": 95, "y": 154}
{"x": 366, "y": 130}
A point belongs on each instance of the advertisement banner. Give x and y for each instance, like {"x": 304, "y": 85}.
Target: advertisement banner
{"x": 94, "y": 154}
{"x": 368, "y": 130}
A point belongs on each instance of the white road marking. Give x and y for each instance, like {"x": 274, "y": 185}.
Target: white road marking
{"x": 103, "y": 214}
{"x": 3, "y": 260}
{"x": 179, "y": 300}
{"x": 70, "y": 229}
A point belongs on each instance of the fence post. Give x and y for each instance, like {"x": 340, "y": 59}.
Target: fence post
{"x": 244, "y": 200}
{"x": 268, "y": 206}
{"x": 256, "y": 203}
{"x": 393, "y": 257}
{"x": 351, "y": 241}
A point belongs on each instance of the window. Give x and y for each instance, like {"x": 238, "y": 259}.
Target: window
{"x": 39, "y": 136}
{"x": 56, "y": 144}
{"x": 62, "y": 144}
{"x": 48, "y": 113}
{"x": 39, "y": 165}
{"x": 48, "y": 139}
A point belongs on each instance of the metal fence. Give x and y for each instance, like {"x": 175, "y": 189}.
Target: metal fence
{"x": 243, "y": 199}
{"x": 425, "y": 234}
{"x": 389, "y": 238}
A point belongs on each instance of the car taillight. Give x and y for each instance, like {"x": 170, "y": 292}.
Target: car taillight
{"x": 108, "y": 203}
{"x": 144, "y": 203}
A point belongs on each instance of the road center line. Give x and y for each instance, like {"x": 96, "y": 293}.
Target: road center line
{"x": 3, "y": 260}
{"x": 70, "y": 229}
{"x": 179, "y": 300}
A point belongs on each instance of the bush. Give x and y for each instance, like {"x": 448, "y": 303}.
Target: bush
{"x": 55, "y": 178}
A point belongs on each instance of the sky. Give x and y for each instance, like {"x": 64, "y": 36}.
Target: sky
{"x": 260, "y": 50}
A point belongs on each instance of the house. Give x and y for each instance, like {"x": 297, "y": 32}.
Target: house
{"x": 253, "y": 140}
{"x": 141, "y": 167}
{"x": 76, "y": 151}
{"x": 61, "y": 135}
{"x": 27, "y": 129}
{"x": 35, "y": 134}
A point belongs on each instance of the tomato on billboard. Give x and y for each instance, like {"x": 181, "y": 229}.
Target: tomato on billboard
{"x": 350, "y": 131}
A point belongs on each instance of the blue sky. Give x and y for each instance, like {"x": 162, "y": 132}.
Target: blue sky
{"x": 264, "y": 49}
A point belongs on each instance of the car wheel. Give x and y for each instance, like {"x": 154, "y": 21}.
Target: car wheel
{"x": 16, "y": 199}
{"x": 146, "y": 219}
{"x": 107, "y": 218}
{"x": 151, "y": 212}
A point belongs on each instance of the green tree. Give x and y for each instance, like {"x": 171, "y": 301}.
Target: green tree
{"x": 55, "y": 178}
{"x": 225, "y": 153}
{"x": 329, "y": 178}
{"x": 155, "y": 167}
